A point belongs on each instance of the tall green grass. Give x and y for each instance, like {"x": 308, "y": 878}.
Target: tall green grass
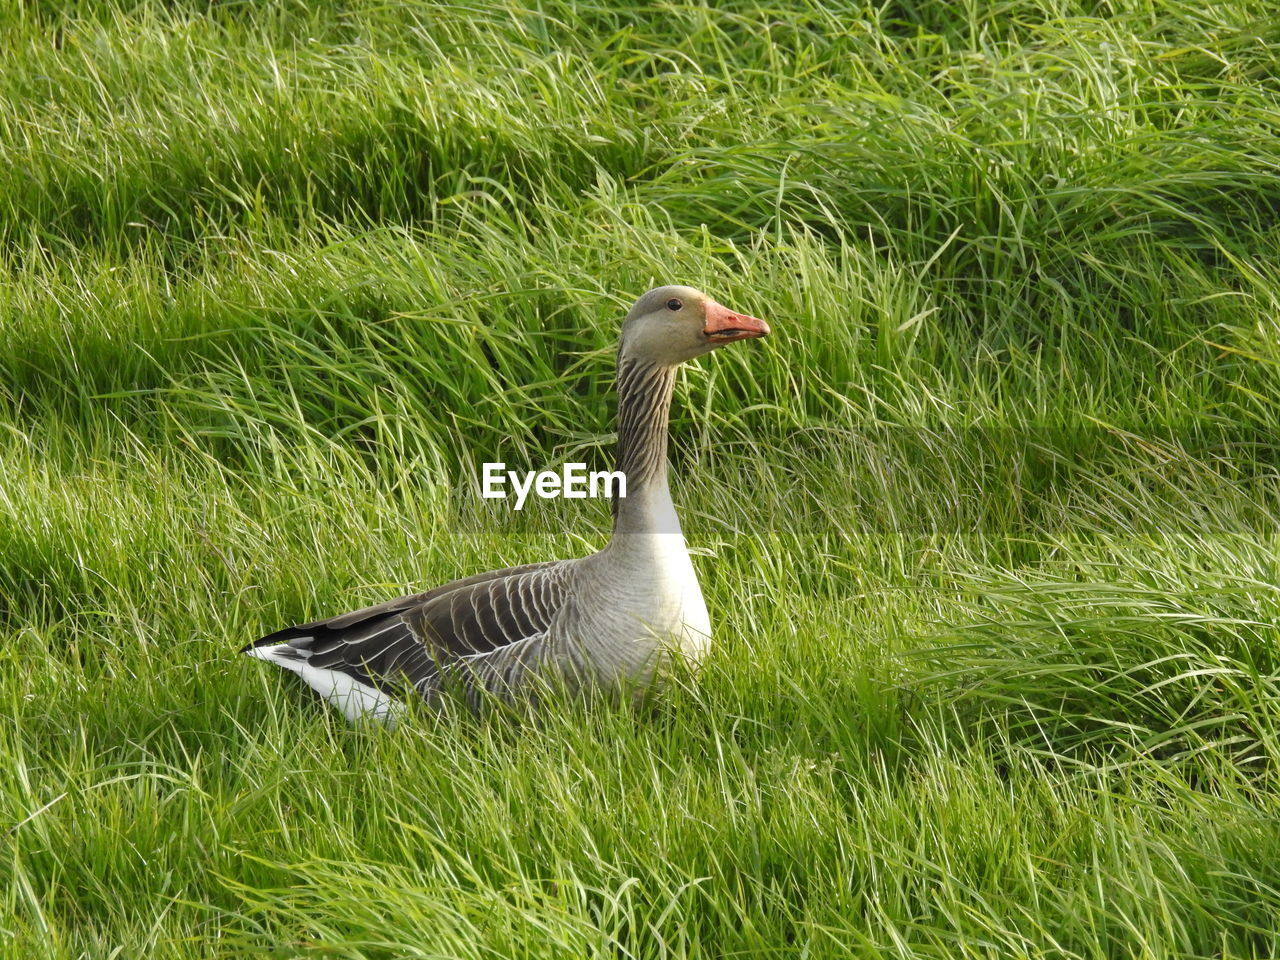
{"x": 987, "y": 527}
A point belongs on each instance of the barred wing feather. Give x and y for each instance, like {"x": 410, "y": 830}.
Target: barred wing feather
{"x": 359, "y": 660}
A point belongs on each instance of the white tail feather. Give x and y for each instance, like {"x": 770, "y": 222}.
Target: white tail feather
{"x": 345, "y": 693}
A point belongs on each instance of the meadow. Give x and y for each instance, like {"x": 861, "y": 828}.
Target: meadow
{"x": 987, "y": 527}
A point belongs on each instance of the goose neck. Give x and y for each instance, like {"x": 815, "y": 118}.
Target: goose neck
{"x": 644, "y": 406}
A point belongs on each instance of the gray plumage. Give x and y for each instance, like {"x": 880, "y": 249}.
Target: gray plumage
{"x": 606, "y": 620}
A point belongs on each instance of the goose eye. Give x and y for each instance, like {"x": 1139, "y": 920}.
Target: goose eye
{"x": 674, "y": 304}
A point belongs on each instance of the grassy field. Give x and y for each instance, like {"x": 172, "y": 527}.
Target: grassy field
{"x": 987, "y": 528}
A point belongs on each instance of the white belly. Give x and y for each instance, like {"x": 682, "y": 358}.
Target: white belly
{"x": 690, "y": 624}
{"x": 641, "y": 599}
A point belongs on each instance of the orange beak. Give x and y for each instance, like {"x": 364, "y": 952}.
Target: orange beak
{"x": 724, "y": 326}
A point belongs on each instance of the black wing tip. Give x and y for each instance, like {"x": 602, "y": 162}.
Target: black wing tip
{"x": 280, "y": 636}
{"x": 254, "y": 644}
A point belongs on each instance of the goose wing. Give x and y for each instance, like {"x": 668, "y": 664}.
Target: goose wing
{"x": 412, "y": 638}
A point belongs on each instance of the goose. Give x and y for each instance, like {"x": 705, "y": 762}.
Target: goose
{"x": 609, "y": 620}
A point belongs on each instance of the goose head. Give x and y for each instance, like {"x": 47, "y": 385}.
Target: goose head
{"x": 669, "y": 325}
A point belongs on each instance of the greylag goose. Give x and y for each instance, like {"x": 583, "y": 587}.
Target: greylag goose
{"x": 606, "y": 620}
